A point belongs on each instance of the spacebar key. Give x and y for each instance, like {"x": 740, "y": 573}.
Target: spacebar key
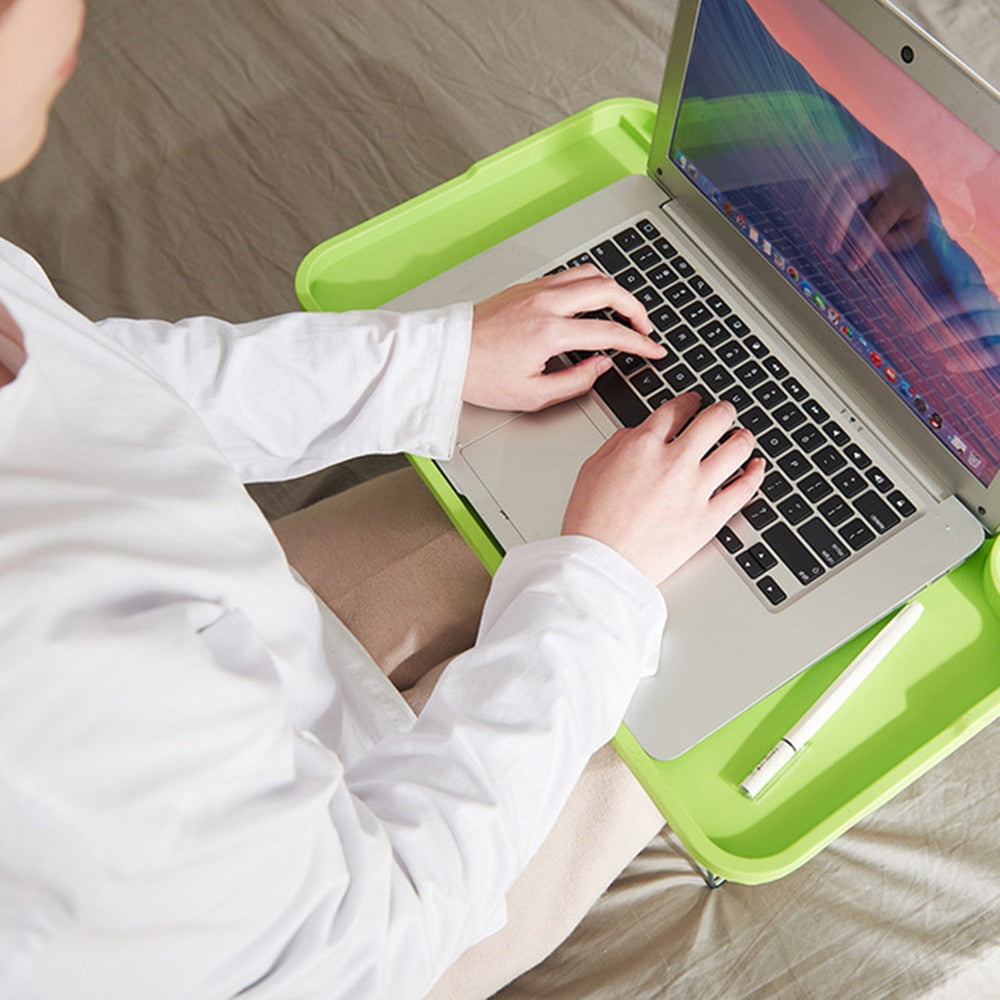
{"x": 793, "y": 553}
{"x": 621, "y": 398}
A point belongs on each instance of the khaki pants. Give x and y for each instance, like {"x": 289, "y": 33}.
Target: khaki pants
{"x": 386, "y": 559}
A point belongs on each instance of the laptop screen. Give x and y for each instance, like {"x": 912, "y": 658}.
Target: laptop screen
{"x": 874, "y": 201}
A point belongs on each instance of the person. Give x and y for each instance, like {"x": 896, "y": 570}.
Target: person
{"x": 208, "y": 786}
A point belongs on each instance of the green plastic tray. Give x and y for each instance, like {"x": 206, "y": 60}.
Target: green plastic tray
{"x": 940, "y": 687}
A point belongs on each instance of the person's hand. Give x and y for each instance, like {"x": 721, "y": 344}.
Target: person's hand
{"x": 656, "y": 493}
{"x": 873, "y": 205}
{"x": 517, "y": 332}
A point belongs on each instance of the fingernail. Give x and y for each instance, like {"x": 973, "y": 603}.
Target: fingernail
{"x": 603, "y": 364}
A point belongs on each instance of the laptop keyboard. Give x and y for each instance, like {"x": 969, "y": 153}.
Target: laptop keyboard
{"x": 823, "y": 499}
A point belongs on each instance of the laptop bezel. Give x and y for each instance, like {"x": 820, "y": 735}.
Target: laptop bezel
{"x": 878, "y": 408}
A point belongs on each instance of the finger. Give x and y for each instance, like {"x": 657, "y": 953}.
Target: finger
{"x": 607, "y": 335}
{"x": 568, "y": 383}
{"x": 573, "y": 274}
{"x": 708, "y": 427}
{"x": 667, "y": 421}
{"x": 731, "y": 455}
{"x": 734, "y": 497}
{"x": 599, "y": 292}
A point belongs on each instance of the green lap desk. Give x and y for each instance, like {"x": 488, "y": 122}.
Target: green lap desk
{"x": 940, "y": 686}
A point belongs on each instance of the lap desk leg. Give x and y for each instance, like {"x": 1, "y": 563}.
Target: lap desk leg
{"x": 916, "y": 708}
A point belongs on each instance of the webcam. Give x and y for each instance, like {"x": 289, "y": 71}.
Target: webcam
{"x": 906, "y": 54}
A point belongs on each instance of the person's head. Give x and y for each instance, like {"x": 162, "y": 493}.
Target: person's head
{"x": 38, "y": 41}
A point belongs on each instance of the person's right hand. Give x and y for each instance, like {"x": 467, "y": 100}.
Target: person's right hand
{"x": 652, "y": 492}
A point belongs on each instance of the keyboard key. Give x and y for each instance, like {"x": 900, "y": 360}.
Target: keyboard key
{"x": 729, "y": 539}
{"x": 665, "y": 247}
{"x": 857, "y": 456}
{"x": 699, "y": 357}
{"x": 849, "y": 483}
{"x": 629, "y": 239}
{"x": 681, "y": 338}
{"x": 774, "y": 442}
{"x": 714, "y": 333}
{"x": 879, "y": 480}
{"x": 774, "y": 367}
{"x": 755, "y": 346}
{"x": 662, "y": 275}
{"x": 789, "y": 416}
{"x": 682, "y": 267}
{"x": 645, "y": 258}
{"x": 628, "y": 363}
{"x": 814, "y": 488}
{"x": 655, "y": 402}
{"x": 797, "y": 391}
{"x": 679, "y": 294}
{"x": 813, "y": 410}
{"x": 664, "y": 319}
{"x": 771, "y": 590}
{"x": 630, "y": 280}
{"x": 648, "y": 229}
{"x": 836, "y": 511}
{"x": 696, "y": 313}
{"x": 749, "y": 565}
{"x": 763, "y": 555}
{"x": 794, "y": 465}
{"x": 759, "y": 513}
{"x": 756, "y": 421}
{"x": 824, "y": 542}
{"x": 608, "y": 256}
{"x": 718, "y": 305}
{"x": 680, "y": 379}
{"x": 667, "y": 361}
{"x": 647, "y": 382}
{"x": 836, "y": 433}
{"x": 739, "y": 397}
{"x": 649, "y": 297}
{"x": 786, "y": 545}
{"x": 751, "y": 374}
{"x": 580, "y": 259}
{"x": 621, "y": 398}
{"x": 775, "y": 486}
{"x": 875, "y": 511}
{"x": 700, "y": 285}
{"x": 794, "y": 509}
{"x": 771, "y": 394}
{"x": 829, "y": 460}
{"x": 717, "y": 379}
{"x": 732, "y": 353}
{"x": 737, "y": 325}
{"x": 857, "y": 534}
{"x": 809, "y": 438}
{"x": 901, "y": 503}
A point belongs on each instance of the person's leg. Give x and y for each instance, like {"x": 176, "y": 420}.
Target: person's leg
{"x": 386, "y": 559}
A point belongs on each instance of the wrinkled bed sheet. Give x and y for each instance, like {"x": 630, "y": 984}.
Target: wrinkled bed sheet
{"x": 204, "y": 147}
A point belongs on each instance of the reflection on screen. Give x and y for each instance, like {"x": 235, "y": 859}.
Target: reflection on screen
{"x": 875, "y": 202}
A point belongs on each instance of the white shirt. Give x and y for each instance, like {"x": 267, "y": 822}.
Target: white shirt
{"x": 206, "y": 786}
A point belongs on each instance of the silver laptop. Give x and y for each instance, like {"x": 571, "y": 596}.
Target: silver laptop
{"x": 816, "y": 240}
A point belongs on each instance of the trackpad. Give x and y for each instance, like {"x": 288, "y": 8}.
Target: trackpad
{"x": 529, "y": 465}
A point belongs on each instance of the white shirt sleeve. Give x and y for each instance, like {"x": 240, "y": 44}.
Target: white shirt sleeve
{"x": 200, "y": 846}
{"x": 294, "y": 393}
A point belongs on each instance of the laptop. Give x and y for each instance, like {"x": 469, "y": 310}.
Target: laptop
{"x": 816, "y": 239}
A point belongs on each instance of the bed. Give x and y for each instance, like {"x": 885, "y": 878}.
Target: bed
{"x": 204, "y": 147}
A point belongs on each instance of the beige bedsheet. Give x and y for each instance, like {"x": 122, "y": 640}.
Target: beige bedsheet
{"x": 202, "y": 149}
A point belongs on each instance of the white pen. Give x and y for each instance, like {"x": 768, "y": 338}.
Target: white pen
{"x": 831, "y": 699}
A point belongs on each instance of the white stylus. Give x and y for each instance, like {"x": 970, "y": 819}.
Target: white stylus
{"x": 834, "y": 696}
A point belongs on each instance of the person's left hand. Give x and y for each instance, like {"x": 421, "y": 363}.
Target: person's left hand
{"x": 516, "y": 333}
